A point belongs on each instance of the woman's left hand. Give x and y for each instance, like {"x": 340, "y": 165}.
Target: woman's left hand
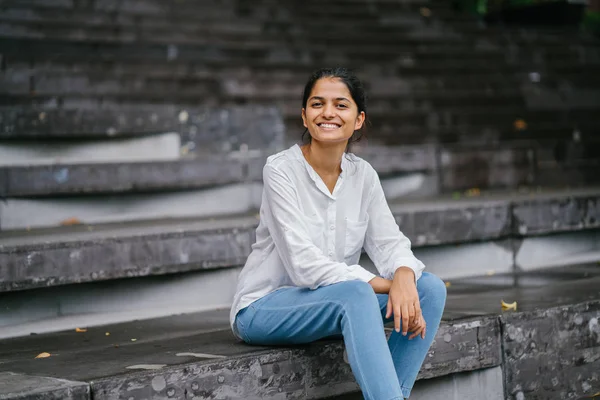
{"x": 419, "y": 327}
{"x": 403, "y": 300}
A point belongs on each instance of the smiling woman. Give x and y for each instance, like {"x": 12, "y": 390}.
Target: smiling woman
{"x": 302, "y": 281}
{"x": 334, "y": 101}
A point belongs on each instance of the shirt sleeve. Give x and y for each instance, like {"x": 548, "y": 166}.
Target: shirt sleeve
{"x": 305, "y": 263}
{"x": 387, "y": 247}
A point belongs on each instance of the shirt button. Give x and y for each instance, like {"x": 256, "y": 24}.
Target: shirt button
{"x": 332, "y": 227}
{"x": 331, "y": 253}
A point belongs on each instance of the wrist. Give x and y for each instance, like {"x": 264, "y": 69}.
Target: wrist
{"x": 404, "y": 273}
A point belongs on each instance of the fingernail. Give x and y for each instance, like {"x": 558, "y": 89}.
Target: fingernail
{"x": 403, "y": 333}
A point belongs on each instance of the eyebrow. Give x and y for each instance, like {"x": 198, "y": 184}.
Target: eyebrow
{"x": 322, "y": 98}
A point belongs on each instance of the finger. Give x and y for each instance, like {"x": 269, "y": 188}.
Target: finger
{"x": 424, "y": 330}
{"x": 405, "y": 319}
{"x": 411, "y": 312}
{"x": 418, "y": 312}
{"x": 397, "y": 316}
{"x": 388, "y": 311}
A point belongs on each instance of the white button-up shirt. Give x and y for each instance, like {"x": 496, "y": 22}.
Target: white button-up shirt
{"x": 309, "y": 237}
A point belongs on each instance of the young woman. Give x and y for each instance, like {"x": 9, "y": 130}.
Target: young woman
{"x": 320, "y": 207}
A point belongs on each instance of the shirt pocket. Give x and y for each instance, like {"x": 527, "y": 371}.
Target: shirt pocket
{"x": 355, "y": 237}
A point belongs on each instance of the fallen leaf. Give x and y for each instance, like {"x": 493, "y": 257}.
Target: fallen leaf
{"x": 490, "y": 272}
{"x": 426, "y": 12}
{"x": 71, "y": 221}
{"x": 448, "y": 284}
{"x": 80, "y": 329}
{"x": 107, "y": 334}
{"x": 43, "y": 355}
{"x": 508, "y": 306}
{"x": 133, "y": 340}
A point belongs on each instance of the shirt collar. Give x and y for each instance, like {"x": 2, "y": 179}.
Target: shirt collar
{"x": 297, "y": 152}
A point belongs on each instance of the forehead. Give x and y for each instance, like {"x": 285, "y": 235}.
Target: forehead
{"x": 330, "y": 88}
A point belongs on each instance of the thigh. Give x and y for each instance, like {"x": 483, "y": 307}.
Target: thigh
{"x": 297, "y": 315}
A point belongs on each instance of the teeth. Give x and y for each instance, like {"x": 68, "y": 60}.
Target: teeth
{"x": 329, "y": 126}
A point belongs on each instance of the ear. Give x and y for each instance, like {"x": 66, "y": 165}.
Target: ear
{"x": 360, "y": 120}
{"x": 304, "y": 118}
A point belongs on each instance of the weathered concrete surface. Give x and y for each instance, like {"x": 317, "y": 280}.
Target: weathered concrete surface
{"x": 552, "y": 353}
{"x": 310, "y": 371}
{"x": 19, "y": 386}
{"x": 159, "y": 147}
{"x": 391, "y": 159}
{"x": 463, "y": 345}
{"x": 539, "y": 216}
{"x": 119, "y": 177}
{"x": 78, "y": 255}
{"x": 475, "y": 385}
{"x": 432, "y": 224}
{"x": 481, "y": 168}
{"x": 210, "y": 129}
{"x": 188, "y": 350}
{"x": 20, "y": 214}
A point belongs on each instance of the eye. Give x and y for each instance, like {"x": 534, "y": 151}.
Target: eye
{"x": 315, "y": 104}
{"x": 342, "y": 106}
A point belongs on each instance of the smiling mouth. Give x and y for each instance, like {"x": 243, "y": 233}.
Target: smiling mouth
{"x": 328, "y": 125}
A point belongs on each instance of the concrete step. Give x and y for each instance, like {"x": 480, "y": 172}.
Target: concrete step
{"x": 161, "y": 147}
{"x": 201, "y": 129}
{"x": 81, "y": 50}
{"x": 197, "y": 354}
{"x": 122, "y": 177}
{"x": 72, "y": 254}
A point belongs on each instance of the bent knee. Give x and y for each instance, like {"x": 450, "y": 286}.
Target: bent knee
{"x": 432, "y": 285}
{"x": 356, "y": 291}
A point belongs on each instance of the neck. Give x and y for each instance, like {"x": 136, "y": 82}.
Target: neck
{"x": 325, "y": 159}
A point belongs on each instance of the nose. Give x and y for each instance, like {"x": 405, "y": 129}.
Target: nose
{"x": 329, "y": 111}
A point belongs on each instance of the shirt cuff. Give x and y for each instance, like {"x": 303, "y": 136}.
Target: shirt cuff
{"x": 359, "y": 273}
{"x": 410, "y": 262}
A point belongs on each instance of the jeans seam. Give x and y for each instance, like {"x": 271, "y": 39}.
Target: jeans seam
{"x": 242, "y": 331}
{"x": 310, "y": 304}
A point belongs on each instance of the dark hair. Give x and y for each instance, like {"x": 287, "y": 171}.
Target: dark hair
{"x": 354, "y": 85}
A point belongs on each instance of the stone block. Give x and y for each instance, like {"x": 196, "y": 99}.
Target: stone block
{"x": 312, "y": 371}
{"x": 552, "y": 353}
{"x": 447, "y": 222}
{"x": 481, "y": 168}
{"x": 57, "y": 179}
{"x": 84, "y": 256}
{"x": 557, "y": 214}
{"x": 27, "y": 387}
{"x": 476, "y": 385}
{"x": 207, "y": 129}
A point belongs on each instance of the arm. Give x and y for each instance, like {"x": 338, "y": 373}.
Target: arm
{"x": 385, "y": 244}
{"x": 390, "y": 251}
{"x": 305, "y": 263}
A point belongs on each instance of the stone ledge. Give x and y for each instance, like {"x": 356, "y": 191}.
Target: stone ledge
{"x": 63, "y": 179}
{"x": 211, "y": 129}
{"x": 27, "y": 387}
{"x": 186, "y": 173}
{"x": 552, "y": 353}
{"x": 239, "y": 371}
{"x": 57, "y": 256}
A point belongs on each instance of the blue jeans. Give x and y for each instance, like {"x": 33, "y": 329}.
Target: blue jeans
{"x": 384, "y": 370}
